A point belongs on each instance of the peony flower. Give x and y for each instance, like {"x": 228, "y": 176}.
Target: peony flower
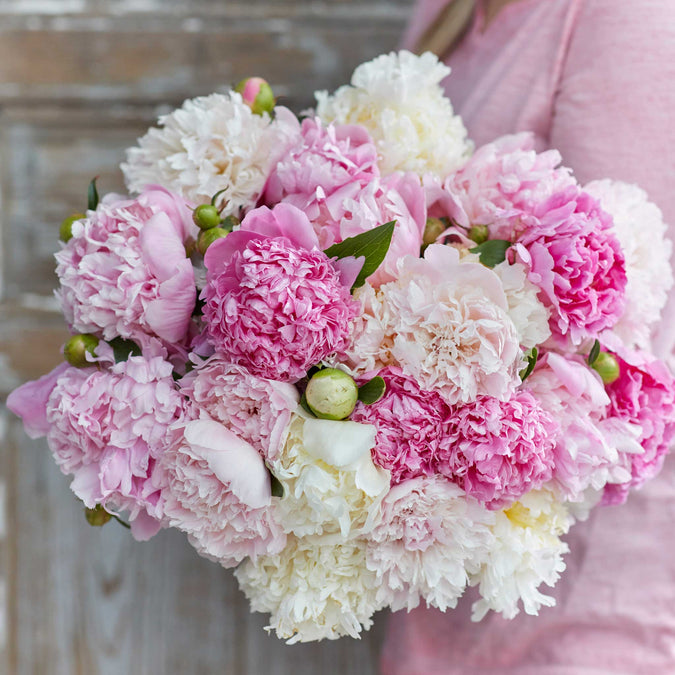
{"x": 314, "y": 589}
{"x": 398, "y": 98}
{"x": 444, "y": 322}
{"x": 639, "y": 227}
{"x": 527, "y": 552}
{"x": 576, "y": 261}
{"x": 411, "y": 427}
{"x": 329, "y": 479}
{"x": 217, "y": 490}
{"x": 212, "y": 143}
{"x": 644, "y": 395}
{"x": 257, "y": 410}
{"x": 429, "y": 537}
{"x": 125, "y": 273}
{"x": 499, "y": 450}
{"x": 587, "y": 449}
{"x": 274, "y": 303}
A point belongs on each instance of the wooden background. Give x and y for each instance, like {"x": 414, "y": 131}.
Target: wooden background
{"x": 79, "y": 81}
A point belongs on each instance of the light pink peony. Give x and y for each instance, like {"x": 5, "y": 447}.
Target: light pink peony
{"x": 217, "y": 491}
{"x": 257, "y": 410}
{"x": 411, "y": 427}
{"x": 499, "y": 450}
{"x": 643, "y": 395}
{"x": 275, "y": 303}
{"x": 576, "y": 260}
{"x": 500, "y": 182}
{"x": 125, "y": 272}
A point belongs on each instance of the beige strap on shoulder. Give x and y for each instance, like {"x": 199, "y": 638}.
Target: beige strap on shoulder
{"x": 447, "y": 29}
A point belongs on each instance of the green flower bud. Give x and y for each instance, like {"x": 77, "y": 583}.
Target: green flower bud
{"x": 331, "y": 394}
{"x": 433, "y": 229}
{"x": 66, "y": 227}
{"x": 607, "y": 367}
{"x": 206, "y": 216}
{"x": 98, "y": 516}
{"x": 256, "y": 94}
{"x": 207, "y": 237}
{"x": 77, "y": 347}
{"x": 478, "y": 233}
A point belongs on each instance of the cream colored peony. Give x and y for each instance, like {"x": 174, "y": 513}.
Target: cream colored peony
{"x": 399, "y": 99}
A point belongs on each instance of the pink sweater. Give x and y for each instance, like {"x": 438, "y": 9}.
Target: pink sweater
{"x": 595, "y": 79}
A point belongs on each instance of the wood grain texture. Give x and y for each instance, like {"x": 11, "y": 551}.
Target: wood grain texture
{"x": 80, "y": 80}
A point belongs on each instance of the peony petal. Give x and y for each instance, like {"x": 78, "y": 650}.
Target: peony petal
{"x": 338, "y": 443}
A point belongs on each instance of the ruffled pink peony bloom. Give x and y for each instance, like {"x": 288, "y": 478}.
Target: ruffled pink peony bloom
{"x": 643, "y": 395}
{"x": 411, "y": 427}
{"x": 257, "y": 410}
{"x": 218, "y": 492}
{"x": 107, "y": 428}
{"x": 275, "y": 303}
{"x": 501, "y": 181}
{"x": 499, "y": 450}
{"x": 576, "y": 260}
{"x": 125, "y": 273}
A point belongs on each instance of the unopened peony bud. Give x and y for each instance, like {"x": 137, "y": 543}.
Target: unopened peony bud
{"x": 207, "y": 237}
{"x": 257, "y": 95}
{"x": 77, "y": 347}
{"x": 206, "y": 216}
{"x": 66, "y": 228}
{"x": 607, "y": 367}
{"x": 478, "y": 233}
{"x": 433, "y": 230}
{"x": 331, "y": 394}
{"x": 98, "y": 516}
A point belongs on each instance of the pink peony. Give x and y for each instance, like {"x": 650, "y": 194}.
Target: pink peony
{"x": 125, "y": 273}
{"x": 257, "y": 410}
{"x": 275, "y": 304}
{"x": 643, "y": 395}
{"x": 576, "y": 261}
{"x": 499, "y": 450}
{"x": 411, "y": 427}
{"x": 217, "y": 491}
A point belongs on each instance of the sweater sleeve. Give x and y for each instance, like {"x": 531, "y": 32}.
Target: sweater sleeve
{"x": 424, "y": 13}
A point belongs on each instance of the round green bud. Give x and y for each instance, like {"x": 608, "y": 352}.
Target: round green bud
{"x": 206, "y": 216}
{"x": 331, "y": 394}
{"x": 433, "y": 230}
{"x": 256, "y": 94}
{"x": 77, "y": 347}
{"x": 478, "y": 233}
{"x": 607, "y": 367}
{"x": 66, "y": 227}
{"x": 207, "y": 237}
{"x": 97, "y": 517}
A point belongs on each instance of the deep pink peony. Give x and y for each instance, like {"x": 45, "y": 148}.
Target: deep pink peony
{"x": 411, "y": 427}
{"x": 275, "y": 303}
{"x": 499, "y": 450}
{"x": 257, "y": 410}
{"x": 576, "y": 260}
{"x": 125, "y": 272}
{"x": 643, "y": 395}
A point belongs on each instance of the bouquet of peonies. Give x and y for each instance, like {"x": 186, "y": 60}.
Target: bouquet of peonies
{"x": 354, "y": 358}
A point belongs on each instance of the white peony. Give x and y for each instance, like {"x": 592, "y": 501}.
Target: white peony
{"x": 399, "y": 99}
{"x": 330, "y": 481}
{"x": 429, "y": 537}
{"x": 639, "y": 227}
{"x": 209, "y": 144}
{"x": 527, "y": 552}
{"x": 314, "y": 589}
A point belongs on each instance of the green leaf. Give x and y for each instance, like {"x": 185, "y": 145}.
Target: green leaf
{"x": 92, "y": 195}
{"x": 372, "y": 391}
{"x": 277, "y": 487}
{"x": 531, "y": 363}
{"x": 305, "y": 406}
{"x": 372, "y": 245}
{"x": 492, "y": 252}
{"x": 123, "y": 349}
{"x": 594, "y": 353}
